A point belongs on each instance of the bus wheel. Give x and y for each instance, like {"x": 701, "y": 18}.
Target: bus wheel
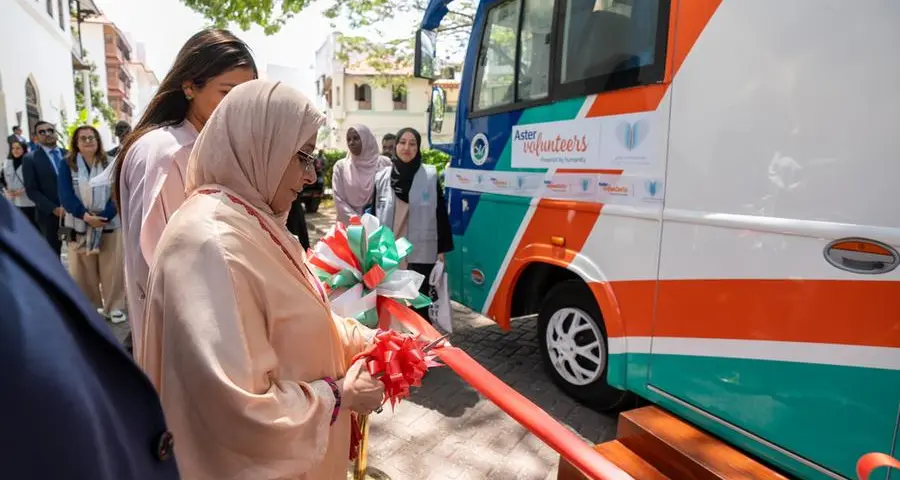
{"x": 574, "y": 348}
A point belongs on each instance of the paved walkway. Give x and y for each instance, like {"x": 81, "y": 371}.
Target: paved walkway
{"x": 447, "y": 430}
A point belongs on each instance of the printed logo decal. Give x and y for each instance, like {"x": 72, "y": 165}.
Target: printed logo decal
{"x": 652, "y": 187}
{"x": 479, "y": 149}
{"x": 632, "y": 134}
{"x": 477, "y": 276}
{"x": 615, "y": 189}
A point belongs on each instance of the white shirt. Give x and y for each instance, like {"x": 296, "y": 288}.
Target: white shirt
{"x": 152, "y": 188}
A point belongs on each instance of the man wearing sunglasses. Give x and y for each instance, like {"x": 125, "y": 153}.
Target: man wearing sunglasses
{"x": 39, "y": 170}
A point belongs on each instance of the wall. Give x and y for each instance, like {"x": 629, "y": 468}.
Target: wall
{"x": 142, "y": 90}
{"x": 382, "y": 118}
{"x": 34, "y": 46}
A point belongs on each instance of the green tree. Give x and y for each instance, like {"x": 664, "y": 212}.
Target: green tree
{"x": 382, "y": 56}
{"x": 98, "y": 101}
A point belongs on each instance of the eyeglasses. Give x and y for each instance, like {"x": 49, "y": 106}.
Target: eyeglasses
{"x": 87, "y": 138}
{"x": 46, "y": 131}
{"x": 308, "y": 161}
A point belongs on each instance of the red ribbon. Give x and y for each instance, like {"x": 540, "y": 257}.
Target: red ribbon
{"x": 374, "y": 276}
{"x": 398, "y": 361}
{"x": 873, "y": 461}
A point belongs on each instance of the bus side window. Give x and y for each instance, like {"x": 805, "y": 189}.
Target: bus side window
{"x": 497, "y": 59}
{"x": 534, "y": 48}
{"x": 622, "y": 35}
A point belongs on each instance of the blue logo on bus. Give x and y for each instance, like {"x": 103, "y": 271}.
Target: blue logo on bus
{"x": 652, "y": 187}
{"x": 632, "y": 134}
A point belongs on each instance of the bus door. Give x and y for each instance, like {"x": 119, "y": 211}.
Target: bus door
{"x": 776, "y": 325}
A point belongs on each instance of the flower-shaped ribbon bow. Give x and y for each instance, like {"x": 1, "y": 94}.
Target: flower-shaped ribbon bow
{"x": 359, "y": 266}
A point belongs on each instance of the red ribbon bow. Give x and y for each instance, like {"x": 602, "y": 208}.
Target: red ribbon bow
{"x": 400, "y": 362}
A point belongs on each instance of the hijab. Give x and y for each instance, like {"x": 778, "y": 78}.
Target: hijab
{"x": 403, "y": 173}
{"x": 250, "y": 138}
{"x": 17, "y": 161}
{"x": 357, "y": 180}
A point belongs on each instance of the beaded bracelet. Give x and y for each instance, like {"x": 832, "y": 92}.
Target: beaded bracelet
{"x": 337, "y": 398}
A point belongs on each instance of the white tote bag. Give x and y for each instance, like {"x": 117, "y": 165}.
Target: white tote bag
{"x": 439, "y": 312}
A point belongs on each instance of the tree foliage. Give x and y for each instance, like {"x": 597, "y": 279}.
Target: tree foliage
{"x": 98, "y": 101}
{"x": 391, "y": 50}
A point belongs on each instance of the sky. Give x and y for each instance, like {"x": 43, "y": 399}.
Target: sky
{"x": 164, "y": 25}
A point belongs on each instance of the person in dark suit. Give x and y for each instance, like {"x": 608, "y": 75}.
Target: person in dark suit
{"x": 122, "y": 130}
{"x": 16, "y": 137}
{"x": 74, "y": 405}
{"x": 39, "y": 170}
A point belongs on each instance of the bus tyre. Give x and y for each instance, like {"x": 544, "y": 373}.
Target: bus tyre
{"x": 574, "y": 348}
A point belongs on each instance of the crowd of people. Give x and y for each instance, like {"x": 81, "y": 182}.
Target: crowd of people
{"x": 239, "y": 369}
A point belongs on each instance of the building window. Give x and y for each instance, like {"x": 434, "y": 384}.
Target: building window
{"x": 398, "y": 92}
{"x": 364, "y": 96}
{"x": 62, "y": 15}
{"x": 32, "y": 106}
{"x": 50, "y": 8}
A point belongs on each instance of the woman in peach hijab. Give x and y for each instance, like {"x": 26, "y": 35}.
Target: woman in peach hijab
{"x": 239, "y": 339}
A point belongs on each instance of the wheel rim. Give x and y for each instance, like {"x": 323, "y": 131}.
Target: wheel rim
{"x": 576, "y": 347}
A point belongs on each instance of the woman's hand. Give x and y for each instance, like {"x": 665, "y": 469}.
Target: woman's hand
{"x": 360, "y": 391}
{"x": 94, "y": 221}
{"x": 441, "y": 258}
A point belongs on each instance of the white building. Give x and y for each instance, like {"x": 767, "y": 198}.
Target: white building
{"x": 95, "y": 52}
{"x": 145, "y": 81}
{"x": 357, "y": 93}
{"x": 36, "y": 64}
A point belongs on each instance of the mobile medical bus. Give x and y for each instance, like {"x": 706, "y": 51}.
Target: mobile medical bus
{"x": 699, "y": 201}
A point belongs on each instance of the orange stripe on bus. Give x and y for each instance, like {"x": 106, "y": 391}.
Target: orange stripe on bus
{"x": 572, "y": 220}
{"x": 690, "y": 18}
{"x": 629, "y": 100}
{"x": 812, "y": 311}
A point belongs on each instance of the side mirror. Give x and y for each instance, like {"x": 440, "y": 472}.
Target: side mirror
{"x": 426, "y": 55}
{"x": 438, "y": 106}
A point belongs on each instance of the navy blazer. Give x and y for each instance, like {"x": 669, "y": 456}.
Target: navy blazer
{"x": 40, "y": 180}
{"x": 70, "y": 200}
{"x": 73, "y": 403}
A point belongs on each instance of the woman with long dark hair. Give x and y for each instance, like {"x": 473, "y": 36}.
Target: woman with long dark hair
{"x": 95, "y": 245}
{"x": 150, "y": 167}
{"x": 13, "y": 181}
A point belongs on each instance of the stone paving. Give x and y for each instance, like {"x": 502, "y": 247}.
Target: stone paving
{"x": 446, "y": 430}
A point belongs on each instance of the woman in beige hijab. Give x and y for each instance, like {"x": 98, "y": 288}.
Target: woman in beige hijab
{"x": 251, "y": 365}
